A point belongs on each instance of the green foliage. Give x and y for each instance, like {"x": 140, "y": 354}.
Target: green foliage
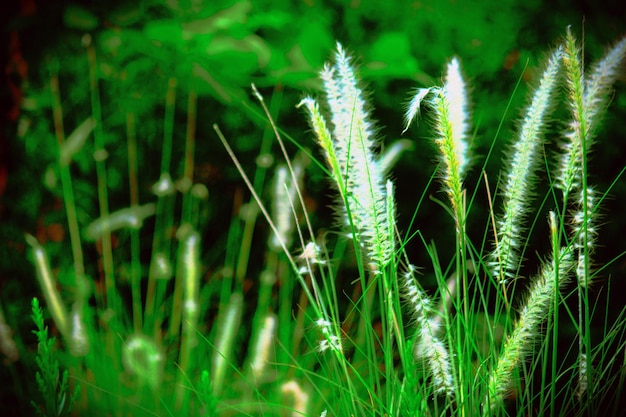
{"x": 205, "y": 395}
{"x": 184, "y": 308}
{"x": 58, "y": 399}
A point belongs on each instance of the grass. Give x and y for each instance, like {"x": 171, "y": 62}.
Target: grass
{"x": 339, "y": 323}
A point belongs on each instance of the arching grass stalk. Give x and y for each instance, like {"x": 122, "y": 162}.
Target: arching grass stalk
{"x": 313, "y": 294}
{"x": 573, "y": 176}
{"x": 518, "y": 182}
{"x": 187, "y": 215}
{"x": 160, "y": 270}
{"x": 429, "y": 348}
{"x": 365, "y": 228}
{"x": 135, "y": 242}
{"x": 66, "y": 150}
{"x": 349, "y": 154}
{"x": 78, "y": 341}
{"x": 100, "y": 155}
{"x": 537, "y": 307}
{"x": 451, "y": 124}
{"x": 367, "y": 209}
{"x": 587, "y": 98}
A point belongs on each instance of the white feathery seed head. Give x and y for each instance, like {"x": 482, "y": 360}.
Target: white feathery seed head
{"x": 349, "y": 150}
{"x": 455, "y": 91}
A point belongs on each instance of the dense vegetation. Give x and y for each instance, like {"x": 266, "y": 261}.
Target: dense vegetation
{"x": 169, "y": 287}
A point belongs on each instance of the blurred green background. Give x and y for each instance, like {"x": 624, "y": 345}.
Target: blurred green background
{"x": 217, "y": 49}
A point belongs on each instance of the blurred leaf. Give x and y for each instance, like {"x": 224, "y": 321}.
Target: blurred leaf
{"x": 77, "y": 17}
{"x": 76, "y": 140}
{"x": 127, "y": 14}
{"x": 275, "y": 19}
{"x": 390, "y": 56}
{"x": 110, "y": 41}
{"x": 210, "y": 84}
{"x": 241, "y": 56}
{"x": 315, "y": 42}
{"x": 222, "y": 20}
{"x": 165, "y": 31}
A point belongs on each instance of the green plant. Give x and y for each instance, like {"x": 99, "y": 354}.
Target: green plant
{"x": 375, "y": 370}
{"x": 335, "y": 323}
{"x": 58, "y": 400}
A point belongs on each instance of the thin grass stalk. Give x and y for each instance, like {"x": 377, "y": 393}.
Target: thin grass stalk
{"x": 308, "y": 284}
{"x": 160, "y": 271}
{"x": 264, "y": 160}
{"x": 66, "y": 181}
{"x": 449, "y": 104}
{"x": 392, "y": 320}
{"x": 187, "y": 215}
{"x": 573, "y": 179}
{"x": 100, "y": 155}
{"x": 190, "y": 134}
{"x": 294, "y": 172}
{"x": 189, "y": 257}
{"x": 286, "y": 220}
{"x": 135, "y": 243}
{"x": 584, "y": 245}
{"x": 75, "y": 331}
{"x": 586, "y": 98}
{"x": 233, "y": 243}
{"x": 311, "y": 295}
{"x": 556, "y": 243}
{"x": 280, "y": 241}
{"x": 248, "y": 213}
{"x": 168, "y": 124}
{"x": 359, "y": 180}
{"x": 110, "y": 300}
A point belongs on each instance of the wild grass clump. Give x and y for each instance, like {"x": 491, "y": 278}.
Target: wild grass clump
{"x": 341, "y": 323}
